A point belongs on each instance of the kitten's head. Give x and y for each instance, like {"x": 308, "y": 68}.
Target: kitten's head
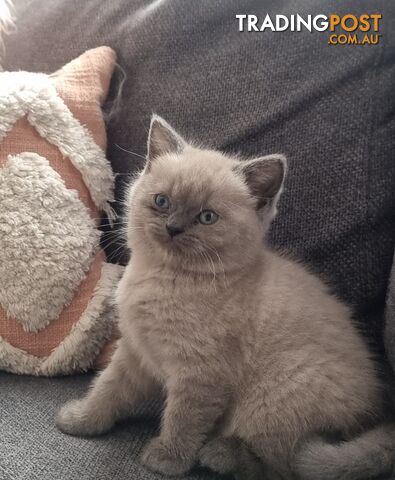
{"x": 197, "y": 206}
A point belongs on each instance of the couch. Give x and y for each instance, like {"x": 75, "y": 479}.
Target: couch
{"x": 329, "y": 108}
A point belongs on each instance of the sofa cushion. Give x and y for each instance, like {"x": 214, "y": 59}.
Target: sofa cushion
{"x": 329, "y": 108}
{"x": 31, "y": 448}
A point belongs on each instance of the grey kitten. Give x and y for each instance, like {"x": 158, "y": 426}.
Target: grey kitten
{"x": 258, "y": 361}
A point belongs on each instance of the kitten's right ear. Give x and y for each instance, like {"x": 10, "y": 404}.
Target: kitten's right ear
{"x": 162, "y": 139}
{"x": 264, "y": 177}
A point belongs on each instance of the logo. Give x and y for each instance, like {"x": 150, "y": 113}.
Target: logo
{"x": 346, "y": 29}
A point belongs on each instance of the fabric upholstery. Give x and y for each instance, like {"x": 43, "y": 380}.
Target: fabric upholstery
{"x": 390, "y": 320}
{"x": 31, "y": 448}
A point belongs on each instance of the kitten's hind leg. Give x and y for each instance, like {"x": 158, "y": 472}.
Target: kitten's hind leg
{"x": 229, "y": 456}
{"x": 115, "y": 394}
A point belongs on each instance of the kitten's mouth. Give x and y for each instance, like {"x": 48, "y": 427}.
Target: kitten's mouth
{"x": 167, "y": 241}
{"x": 178, "y": 242}
{"x": 179, "y": 247}
{"x": 174, "y": 244}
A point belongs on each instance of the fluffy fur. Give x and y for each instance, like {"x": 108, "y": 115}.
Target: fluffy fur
{"x": 34, "y": 95}
{"x": 79, "y": 349}
{"x": 255, "y": 356}
{"x": 36, "y": 212}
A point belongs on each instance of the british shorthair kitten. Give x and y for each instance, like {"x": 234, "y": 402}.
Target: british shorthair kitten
{"x": 259, "y": 363}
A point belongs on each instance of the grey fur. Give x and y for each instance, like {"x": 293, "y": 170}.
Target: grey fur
{"x": 248, "y": 346}
{"x": 162, "y": 139}
{"x": 230, "y": 456}
{"x": 366, "y": 456}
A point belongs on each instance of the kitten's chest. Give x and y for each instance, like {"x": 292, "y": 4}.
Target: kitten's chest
{"x": 161, "y": 321}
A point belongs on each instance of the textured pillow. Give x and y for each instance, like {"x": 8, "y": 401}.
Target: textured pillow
{"x": 55, "y": 286}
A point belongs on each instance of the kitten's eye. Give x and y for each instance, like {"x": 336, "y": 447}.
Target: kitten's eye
{"x": 208, "y": 217}
{"x": 162, "y": 201}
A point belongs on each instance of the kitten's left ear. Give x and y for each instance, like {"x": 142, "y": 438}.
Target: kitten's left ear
{"x": 264, "y": 177}
{"x": 162, "y": 139}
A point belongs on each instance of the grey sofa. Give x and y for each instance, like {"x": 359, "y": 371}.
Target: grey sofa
{"x": 330, "y": 109}
{"x": 31, "y": 448}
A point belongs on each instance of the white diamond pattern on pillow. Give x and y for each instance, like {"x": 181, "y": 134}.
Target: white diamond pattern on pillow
{"x": 34, "y": 95}
{"x": 48, "y": 241}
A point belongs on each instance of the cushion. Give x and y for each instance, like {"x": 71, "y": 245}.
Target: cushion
{"x": 55, "y": 285}
{"x": 329, "y": 108}
{"x": 32, "y": 448}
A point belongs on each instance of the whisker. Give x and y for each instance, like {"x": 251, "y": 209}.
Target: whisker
{"x": 105, "y": 245}
{"x": 129, "y": 151}
{"x": 113, "y": 223}
{"x": 115, "y": 252}
{"x": 212, "y": 249}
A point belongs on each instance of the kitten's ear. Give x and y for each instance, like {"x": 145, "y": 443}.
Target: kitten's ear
{"x": 264, "y": 177}
{"x": 162, "y": 139}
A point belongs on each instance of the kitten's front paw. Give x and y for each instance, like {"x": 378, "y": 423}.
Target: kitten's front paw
{"x": 158, "y": 458}
{"x": 220, "y": 455}
{"x": 75, "y": 418}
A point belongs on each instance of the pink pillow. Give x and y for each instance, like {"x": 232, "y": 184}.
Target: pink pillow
{"x": 56, "y": 310}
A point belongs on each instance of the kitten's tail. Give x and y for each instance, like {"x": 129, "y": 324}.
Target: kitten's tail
{"x": 366, "y": 456}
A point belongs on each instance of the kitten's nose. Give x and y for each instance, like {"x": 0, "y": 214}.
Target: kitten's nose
{"x": 174, "y": 230}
